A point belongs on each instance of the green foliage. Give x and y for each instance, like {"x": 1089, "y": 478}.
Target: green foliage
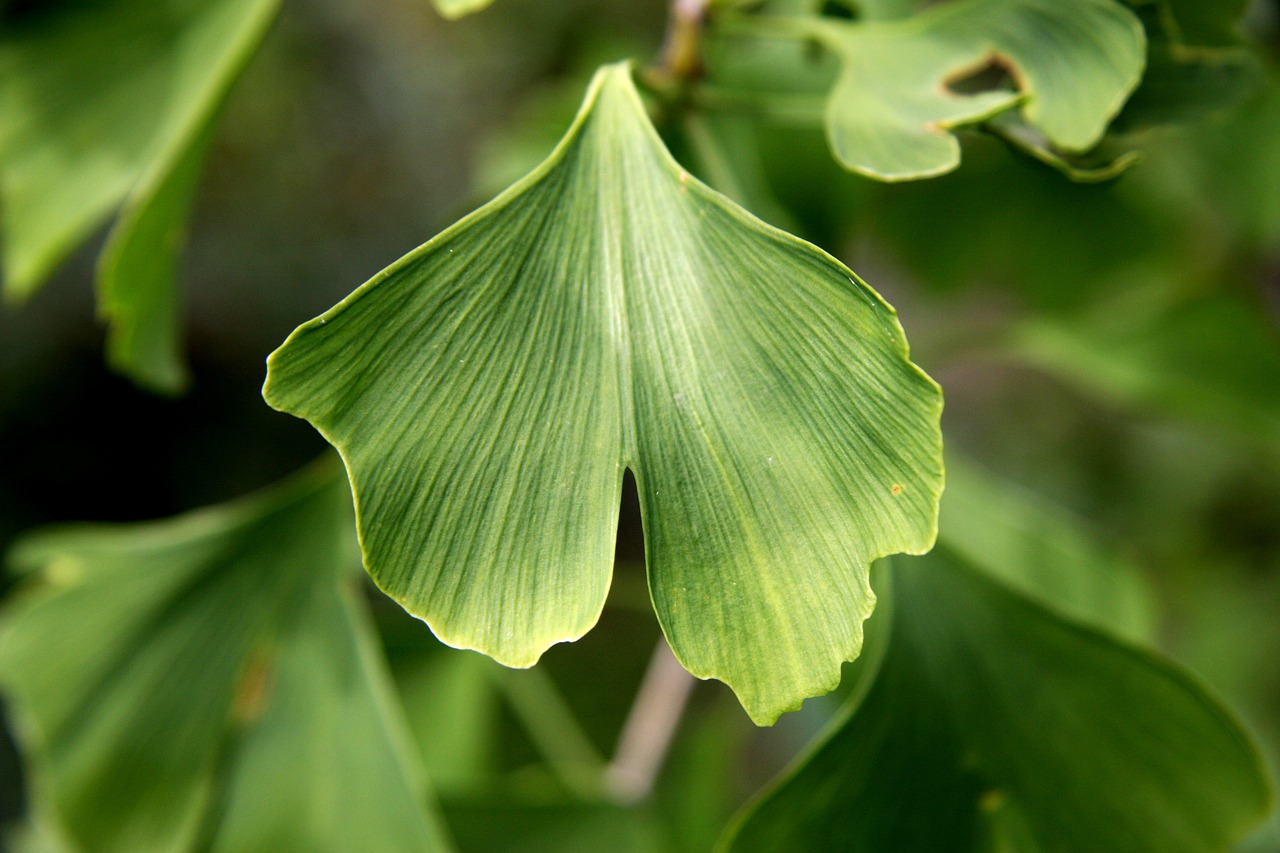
{"x": 899, "y": 92}
{"x": 211, "y": 681}
{"x": 222, "y": 680}
{"x": 1047, "y": 77}
{"x": 108, "y": 102}
{"x": 610, "y": 312}
{"x": 1196, "y": 64}
{"x": 995, "y": 724}
{"x": 1154, "y": 350}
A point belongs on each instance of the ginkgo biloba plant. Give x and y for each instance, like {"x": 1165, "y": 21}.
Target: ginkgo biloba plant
{"x": 636, "y": 307}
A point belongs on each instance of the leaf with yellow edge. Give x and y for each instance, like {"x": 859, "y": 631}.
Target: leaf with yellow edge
{"x": 488, "y": 390}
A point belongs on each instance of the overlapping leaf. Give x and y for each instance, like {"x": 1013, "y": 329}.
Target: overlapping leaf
{"x": 892, "y": 110}
{"x": 488, "y": 390}
{"x": 212, "y": 682}
{"x": 993, "y": 724}
{"x": 110, "y": 102}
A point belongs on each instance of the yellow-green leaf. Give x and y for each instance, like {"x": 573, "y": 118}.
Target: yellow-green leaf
{"x": 488, "y": 390}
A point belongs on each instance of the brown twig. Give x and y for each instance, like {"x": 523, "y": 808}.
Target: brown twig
{"x": 651, "y": 726}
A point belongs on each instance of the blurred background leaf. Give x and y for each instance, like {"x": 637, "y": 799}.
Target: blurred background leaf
{"x": 108, "y": 102}
{"x": 993, "y": 724}
{"x": 211, "y": 681}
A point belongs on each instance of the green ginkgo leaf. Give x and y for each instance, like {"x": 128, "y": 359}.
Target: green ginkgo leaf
{"x": 890, "y": 116}
{"x": 610, "y": 312}
{"x": 993, "y": 724}
{"x": 110, "y": 102}
{"x": 211, "y": 682}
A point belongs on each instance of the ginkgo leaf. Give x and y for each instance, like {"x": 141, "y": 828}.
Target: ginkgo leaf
{"x": 993, "y": 724}
{"x": 608, "y": 312}
{"x": 890, "y": 115}
{"x": 111, "y": 102}
{"x": 211, "y": 682}
{"x": 1025, "y": 139}
{"x": 137, "y": 277}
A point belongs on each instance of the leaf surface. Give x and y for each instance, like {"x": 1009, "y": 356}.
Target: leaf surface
{"x": 892, "y": 111}
{"x": 211, "y": 681}
{"x": 103, "y": 103}
{"x": 994, "y": 724}
{"x": 488, "y": 390}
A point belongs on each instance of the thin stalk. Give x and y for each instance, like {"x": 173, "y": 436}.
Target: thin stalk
{"x": 651, "y": 726}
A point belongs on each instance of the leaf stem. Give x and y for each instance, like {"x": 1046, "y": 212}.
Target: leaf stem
{"x": 681, "y": 59}
{"x": 679, "y": 64}
{"x": 650, "y": 727}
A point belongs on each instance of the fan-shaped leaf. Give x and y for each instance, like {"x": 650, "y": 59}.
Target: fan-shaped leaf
{"x": 609, "y": 312}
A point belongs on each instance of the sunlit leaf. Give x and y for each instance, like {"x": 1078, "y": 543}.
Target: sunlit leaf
{"x": 995, "y": 725}
{"x": 899, "y": 95}
{"x": 104, "y": 103}
{"x": 453, "y": 9}
{"x": 211, "y": 680}
{"x": 488, "y": 390}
